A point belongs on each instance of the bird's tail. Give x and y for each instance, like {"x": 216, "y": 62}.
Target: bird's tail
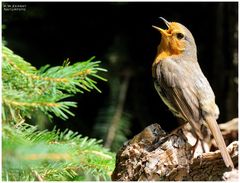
{"x": 212, "y": 124}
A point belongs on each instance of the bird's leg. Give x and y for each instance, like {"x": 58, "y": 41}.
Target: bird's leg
{"x": 194, "y": 147}
{"x": 203, "y": 148}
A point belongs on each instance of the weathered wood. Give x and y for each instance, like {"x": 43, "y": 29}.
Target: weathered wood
{"x": 153, "y": 155}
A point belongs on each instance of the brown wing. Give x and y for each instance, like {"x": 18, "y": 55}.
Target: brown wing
{"x": 176, "y": 87}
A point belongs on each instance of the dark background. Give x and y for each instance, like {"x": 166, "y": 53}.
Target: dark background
{"x": 120, "y": 35}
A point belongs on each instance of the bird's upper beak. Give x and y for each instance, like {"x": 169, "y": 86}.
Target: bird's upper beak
{"x": 162, "y": 31}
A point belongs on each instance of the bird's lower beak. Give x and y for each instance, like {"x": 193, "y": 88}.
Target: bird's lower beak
{"x": 162, "y": 31}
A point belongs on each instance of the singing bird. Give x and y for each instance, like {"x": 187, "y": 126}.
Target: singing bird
{"x": 182, "y": 86}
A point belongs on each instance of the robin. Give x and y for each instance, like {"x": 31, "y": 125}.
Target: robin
{"x": 182, "y": 86}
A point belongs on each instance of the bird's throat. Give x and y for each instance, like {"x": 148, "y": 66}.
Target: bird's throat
{"x": 162, "y": 55}
{"x": 166, "y": 49}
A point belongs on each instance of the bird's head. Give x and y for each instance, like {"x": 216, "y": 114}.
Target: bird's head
{"x": 177, "y": 39}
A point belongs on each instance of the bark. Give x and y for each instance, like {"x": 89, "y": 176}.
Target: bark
{"x": 153, "y": 155}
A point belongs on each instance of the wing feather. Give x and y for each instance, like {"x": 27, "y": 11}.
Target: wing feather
{"x": 177, "y": 89}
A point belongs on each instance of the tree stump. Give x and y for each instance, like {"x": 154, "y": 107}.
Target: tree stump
{"x": 153, "y": 155}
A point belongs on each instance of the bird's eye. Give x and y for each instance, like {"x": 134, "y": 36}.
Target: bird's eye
{"x": 179, "y": 35}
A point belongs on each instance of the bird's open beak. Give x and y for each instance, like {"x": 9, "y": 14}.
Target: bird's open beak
{"x": 163, "y": 32}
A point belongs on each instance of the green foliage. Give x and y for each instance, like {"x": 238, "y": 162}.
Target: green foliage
{"x": 105, "y": 118}
{"x": 30, "y": 155}
{"x": 26, "y": 89}
{"x": 123, "y": 129}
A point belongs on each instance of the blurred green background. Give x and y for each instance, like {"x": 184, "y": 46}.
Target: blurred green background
{"x": 120, "y": 34}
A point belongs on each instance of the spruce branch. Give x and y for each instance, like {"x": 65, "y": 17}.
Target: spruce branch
{"x": 30, "y": 154}
{"x": 26, "y": 89}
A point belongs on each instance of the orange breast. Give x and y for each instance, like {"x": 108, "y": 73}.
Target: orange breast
{"x": 161, "y": 56}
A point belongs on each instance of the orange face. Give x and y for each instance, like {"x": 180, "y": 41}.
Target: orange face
{"x": 173, "y": 42}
